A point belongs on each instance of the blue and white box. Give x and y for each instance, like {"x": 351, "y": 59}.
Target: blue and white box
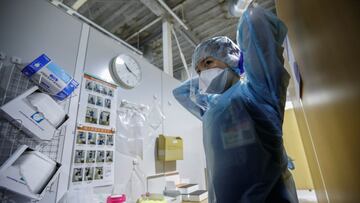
{"x": 50, "y": 77}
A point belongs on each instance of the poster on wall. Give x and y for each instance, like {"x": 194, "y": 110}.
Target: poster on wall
{"x": 97, "y": 103}
{"x": 94, "y": 148}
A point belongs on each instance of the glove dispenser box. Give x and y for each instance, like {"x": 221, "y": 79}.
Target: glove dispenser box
{"x": 35, "y": 113}
{"x": 170, "y": 148}
{"x": 29, "y": 173}
{"x": 50, "y": 77}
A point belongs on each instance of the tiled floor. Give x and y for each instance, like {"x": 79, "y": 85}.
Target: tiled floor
{"x": 306, "y": 196}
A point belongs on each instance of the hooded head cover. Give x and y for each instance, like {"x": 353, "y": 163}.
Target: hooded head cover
{"x": 220, "y": 48}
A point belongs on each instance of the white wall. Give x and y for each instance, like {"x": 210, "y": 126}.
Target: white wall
{"x": 180, "y": 122}
{"x": 101, "y": 49}
{"x": 30, "y": 28}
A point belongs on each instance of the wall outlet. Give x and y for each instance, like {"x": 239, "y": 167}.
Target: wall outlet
{"x": 2, "y": 55}
{"x": 16, "y": 60}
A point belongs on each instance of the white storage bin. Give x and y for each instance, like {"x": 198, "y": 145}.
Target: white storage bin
{"x": 28, "y": 173}
{"x": 36, "y": 169}
{"x": 33, "y": 117}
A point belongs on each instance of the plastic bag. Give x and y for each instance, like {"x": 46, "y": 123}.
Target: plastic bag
{"x": 136, "y": 186}
{"x": 137, "y": 122}
{"x": 131, "y": 128}
{"x": 155, "y": 117}
{"x": 132, "y": 115}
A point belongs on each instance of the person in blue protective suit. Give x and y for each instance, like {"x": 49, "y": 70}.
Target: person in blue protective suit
{"x": 240, "y": 96}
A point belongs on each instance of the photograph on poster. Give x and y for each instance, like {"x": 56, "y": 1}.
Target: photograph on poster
{"x": 89, "y": 85}
{"x": 98, "y": 88}
{"x": 81, "y": 137}
{"x": 89, "y": 173}
{"x": 109, "y": 156}
{"x": 111, "y": 92}
{"x": 91, "y": 115}
{"x": 104, "y": 90}
{"x": 110, "y": 140}
{"x": 90, "y": 156}
{"x": 91, "y": 139}
{"x": 99, "y": 101}
{"x": 77, "y": 175}
{"x": 91, "y": 99}
{"x": 104, "y": 118}
{"x": 101, "y": 138}
{"x": 79, "y": 156}
{"x": 108, "y": 103}
{"x": 100, "y": 157}
{"x": 99, "y": 173}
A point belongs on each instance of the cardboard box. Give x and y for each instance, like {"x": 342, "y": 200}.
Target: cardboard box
{"x": 20, "y": 112}
{"x": 170, "y": 148}
{"x": 50, "y": 77}
{"x": 12, "y": 179}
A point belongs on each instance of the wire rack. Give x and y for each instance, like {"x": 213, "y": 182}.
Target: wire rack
{"x": 12, "y": 84}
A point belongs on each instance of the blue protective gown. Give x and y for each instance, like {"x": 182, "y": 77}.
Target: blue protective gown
{"x": 242, "y": 128}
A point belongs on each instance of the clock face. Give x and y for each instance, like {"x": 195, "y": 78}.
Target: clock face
{"x": 125, "y": 71}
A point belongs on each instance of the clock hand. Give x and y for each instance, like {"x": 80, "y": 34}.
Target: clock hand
{"x": 130, "y": 70}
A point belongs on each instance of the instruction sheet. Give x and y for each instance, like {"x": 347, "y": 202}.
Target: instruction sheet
{"x": 94, "y": 147}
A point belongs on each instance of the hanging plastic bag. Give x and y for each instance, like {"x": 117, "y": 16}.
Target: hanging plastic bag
{"x": 132, "y": 115}
{"x": 136, "y": 186}
{"x": 132, "y": 128}
{"x": 155, "y": 117}
{"x": 132, "y": 119}
{"x": 132, "y": 148}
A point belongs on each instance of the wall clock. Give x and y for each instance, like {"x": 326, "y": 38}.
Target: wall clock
{"x": 125, "y": 71}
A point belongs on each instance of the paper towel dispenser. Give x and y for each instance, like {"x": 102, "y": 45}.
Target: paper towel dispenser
{"x": 170, "y": 148}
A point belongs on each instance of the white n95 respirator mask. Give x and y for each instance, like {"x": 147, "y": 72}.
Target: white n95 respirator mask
{"x": 44, "y": 104}
{"x": 216, "y": 80}
{"x": 206, "y": 77}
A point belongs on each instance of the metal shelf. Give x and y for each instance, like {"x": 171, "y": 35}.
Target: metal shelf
{"x": 12, "y": 84}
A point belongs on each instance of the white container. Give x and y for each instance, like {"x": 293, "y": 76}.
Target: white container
{"x": 28, "y": 173}
{"x": 48, "y": 107}
{"x": 36, "y": 169}
{"x": 30, "y": 115}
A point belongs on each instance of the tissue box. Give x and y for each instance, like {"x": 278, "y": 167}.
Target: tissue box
{"x": 170, "y": 148}
{"x": 40, "y": 171}
{"x": 20, "y": 112}
{"x": 50, "y": 77}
